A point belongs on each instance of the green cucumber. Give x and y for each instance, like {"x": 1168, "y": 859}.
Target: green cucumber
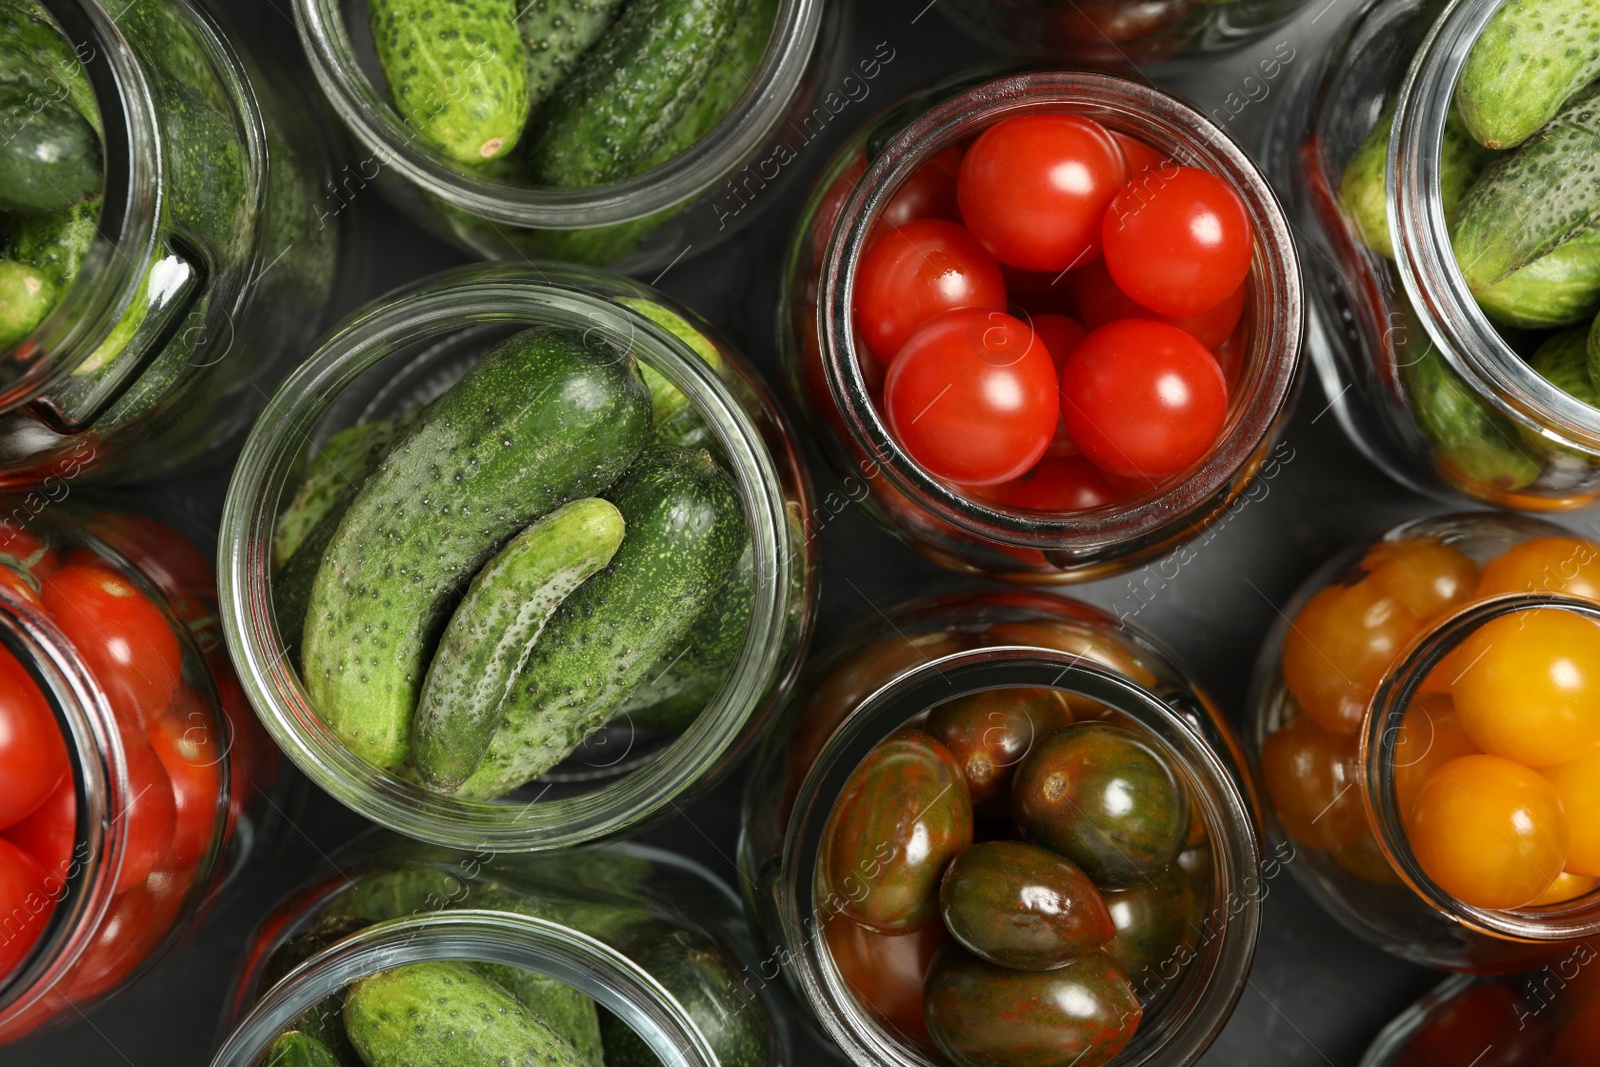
{"x": 456, "y": 71}
{"x": 1364, "y": 196}
{"x": 295, "y": 1049}
{"x": 1563, "y": 361}
{"x": 333, "y": 478}
{"x": 570, "y": 1012}
{"x": 36, "y": 55}
{"x": 556, "y": 34}
{"x": 629, "y": 92}
{"x": 494, "y": 629}
{"x": 56, "y": 243}
{"x": 673, "y": 419}
{"x": 1533, "y": 200}
{"x": 1528, "y": 61}
{"x": 695, "y": 970}
{"x": 1467, "y": 435}
{"x": 447, "y": 1013}
{"x": 1560, "y": 288}
{"x": 398, "y": 893}
{"x": 27, "y": 295}
{"x": 686, "y": 529}
{"x": 49, "y": 154}
{"x": 548, "y": 416}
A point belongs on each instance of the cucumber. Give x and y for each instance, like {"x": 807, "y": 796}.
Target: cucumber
{"x": 695, "y": 971}
{"x": 673, "y": 419}
{"x": 1537, "y": 198}
{"x": 49, "y": 155}
{"x": 1559, "y": 288}
{"x": 1364, "y": 196}
{"x": 396, "y": 894}
{"x": 447, "y": 1013}
{"x": 1594, "y": 353}
{"x": 686, "y": 529}
{"x": 1563, "y": 361}
{"x": 624, "y": 98}
{"x": 36, "y": 55}
{"x": 548, "y": 416}
{"x": 333, "y": 478}
{"x": 1467, "y": 435}
{"x": 323, "y": 1021}
{"x": 295, "y": 1049}
{"x": 494, "y": 629}
{"x": 456, "y": 71}
{"x": 556, "y": 34}
{"x": 56, "y": 243}
{"x": 569, "y": 1012}
{"x": 27, "y": 295}
{"x": 1530, "y": 59}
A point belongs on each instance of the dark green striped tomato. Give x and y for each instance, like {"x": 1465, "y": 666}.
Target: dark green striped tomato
{"x": 1106, "y": 798}
{"x": 1019, "y": 905}
{"x": 1157, "y": 926}
{"x": 901, "y": 817}
{"x": 990, "y": 732}
{"x": 981, "y": 1015}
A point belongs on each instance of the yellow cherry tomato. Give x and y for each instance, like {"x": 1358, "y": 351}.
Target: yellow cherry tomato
{"x": 1568, "y": 565}
{"x": 1578, "y": 785}
{"x": 1567, "y": 886}
{"x": 1340, "y": 644}
{"x": 1490, "y": 832}
{"x": 1529, "y": 688}
{"x": 1430, "y": 736}
{"x": 1426, "y": 577}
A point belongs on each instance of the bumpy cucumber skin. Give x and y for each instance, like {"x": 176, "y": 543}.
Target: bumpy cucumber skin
{"x": 37, "y": 56}
{"x": 1594, "y": 353}
{"x": 49, "y": 156}
{"x": 630, "y": 90}
{"x": 673, "y": 419}
{"x": 686, "y": 529}
{"x": 1466, "y": 434}
{"x": 568, "y": 1011}
{"x": 556, "y": 34}
{"x": 56, "y": 243}
{"x": 295, "y": 1049}
{"x": 494, "y": 629}
{"x": 446, "y": 1012}
{"x": 456, "y": 71}
{"x": 1364, "y": 196}
{"x": 548, "y": 416}
{"x": 26, "y": 296}
{"x": 1560, "y": 288}
{"x": 1563, "y": 361}
{"x": 332, "y": 479}
{"x": 695, "y": 971}
{"x": 1530, "y": 59}
{"x": 1533, "y": 200}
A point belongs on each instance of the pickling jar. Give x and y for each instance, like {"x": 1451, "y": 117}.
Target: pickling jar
{"x": 654, "y": 939}
{"x": 838, "y": 388}
{"x": 1423, "y": 383}
{"x": 400, "y": 353}
{"x": 640, "y": 224}
{"x": 167, "y": 777}
{"x": 209, "y": 266}
{"x": 884, "y": 674}
{"x": 1389, "y": 646}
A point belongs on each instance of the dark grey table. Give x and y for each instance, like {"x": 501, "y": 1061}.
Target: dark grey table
{"x": 1317, "y": 994}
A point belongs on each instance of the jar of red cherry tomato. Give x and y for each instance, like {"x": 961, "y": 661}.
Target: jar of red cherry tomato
{"x": 1048, "y": 322}
{"x": 129, "y": 759}
{"x": 1002, "y": 828}
{"x": 1427, "y": 728}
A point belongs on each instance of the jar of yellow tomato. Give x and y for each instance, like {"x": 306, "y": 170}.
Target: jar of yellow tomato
{"x": 1426, "y": 724}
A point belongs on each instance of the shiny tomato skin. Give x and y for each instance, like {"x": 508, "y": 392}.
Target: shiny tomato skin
{"x": 33, "y": 756}
{"x": 1178, "y": 244}
{"x": 192, "y": 752}
{"x": 1143, "y": 399}
{"x": 971, "y": 397}
{"x": 1060, "y": 335}
{"x": 26, "y": 902}
{"x": 50, "y": 834}
{"x": 886, "y": 971}
{"x": 1141, "y": 156}
{"x": 912, "y": 273}
{"x": 1056, "y": 483}
{"x": 929, "y": 193}
{"x": 149, "y": 817}
{"x": 1034, "y": 189}
{"x": 1097, "y": 300}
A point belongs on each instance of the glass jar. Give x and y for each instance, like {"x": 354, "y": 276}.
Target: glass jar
{"x": 204, "y": 266}
{"x": 837, "y": 388}
{"x": 1422, "y": 381}
{"x": 164, "y": 773}
{"x": 1368, "y": 643}
{"x": 1117, "y": 33}
{"x": 402, "y": 352}
{"x": 652, "y": 938}
{"x": 885, "y": 674}
{"x": 638, "y": 224}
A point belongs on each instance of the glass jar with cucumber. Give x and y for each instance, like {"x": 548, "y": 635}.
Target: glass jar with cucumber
{"x": 1001, "y": 829}
{"x": 605, "y": 132}
{"x": 1426, "y": 723}
{"x": 1456, "y": 296}
{"x": 162, "y": 259}
{"x": 619, "y": 955}
{"x": 518, "y": 558}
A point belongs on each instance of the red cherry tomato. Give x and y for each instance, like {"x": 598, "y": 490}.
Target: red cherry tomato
{"x": 27, "y": 902}
{"x": 149, "y": 817}
{"x": 50, "y": 834}
{"x": 1487, "y": 1025}
{"x": 115, "y": 950}
{"x": 1099, "y": 301}
{"x": 1178, "y": 244}
{"x": 886, "y": 972}
{"x": 122, "y": 636}
{"x": 1059, "y": 334}
{"x": 911, "y": 274}
{"x": 188, "y": 743}
{"x": 252, "y": 757}
{"x": 173, "y": 565}
{"x": 20, "y": 583}
{"x": 1058, "y": 483}
{"x": 26, "y": 550}
{"x": 831, "y": 206}
{"x": 930, "y": 192}
{"x": 1034, "y": 189}
{"x": 1231, "y": 354}
{"x": 33, "y": 757}
{"x": 970, "y": 396}
{"x": 1143, "y": 399}
{"x": 1140, "y": 155}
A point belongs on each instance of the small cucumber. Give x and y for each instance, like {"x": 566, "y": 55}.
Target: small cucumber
{"x": 548, "y": 416}
{"x": 1539, "y": 197}
{"x": 673, "y": 419}
{"x": 49, "y": 155}
{"x": 56, "y": 243}
{"x": 1558, "y": 289}
{"x": 27, "y": 295}
{"x": 494, "y": 629}
{"x": 1563, "y": 361}
{"x": 568, "y": 1011}
{"x": 37, "y": 56}
{"x": 686, "y": 529}
{"x": 1467, "y": 435}
{"x": 694, "y": 969}
{"x": 1530, "y": 59}
{"x": 456, "y": 71}
{"x": 556, "y": 34}
{"x": 295, "y": 1049}
{"x": 1364, "y": 196}
{"x": 333, "y": 478}
{"x": 629, "y": 92}
{"x": 444, "y": 1012}
{"x": 398, "y": 893}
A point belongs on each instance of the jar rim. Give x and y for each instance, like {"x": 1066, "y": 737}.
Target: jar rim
{"x": 366, "y": 110}
{"x": 1271, "y": 373}
{"x": 436, "y": 307}
{"x": 1220, "y": 801}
